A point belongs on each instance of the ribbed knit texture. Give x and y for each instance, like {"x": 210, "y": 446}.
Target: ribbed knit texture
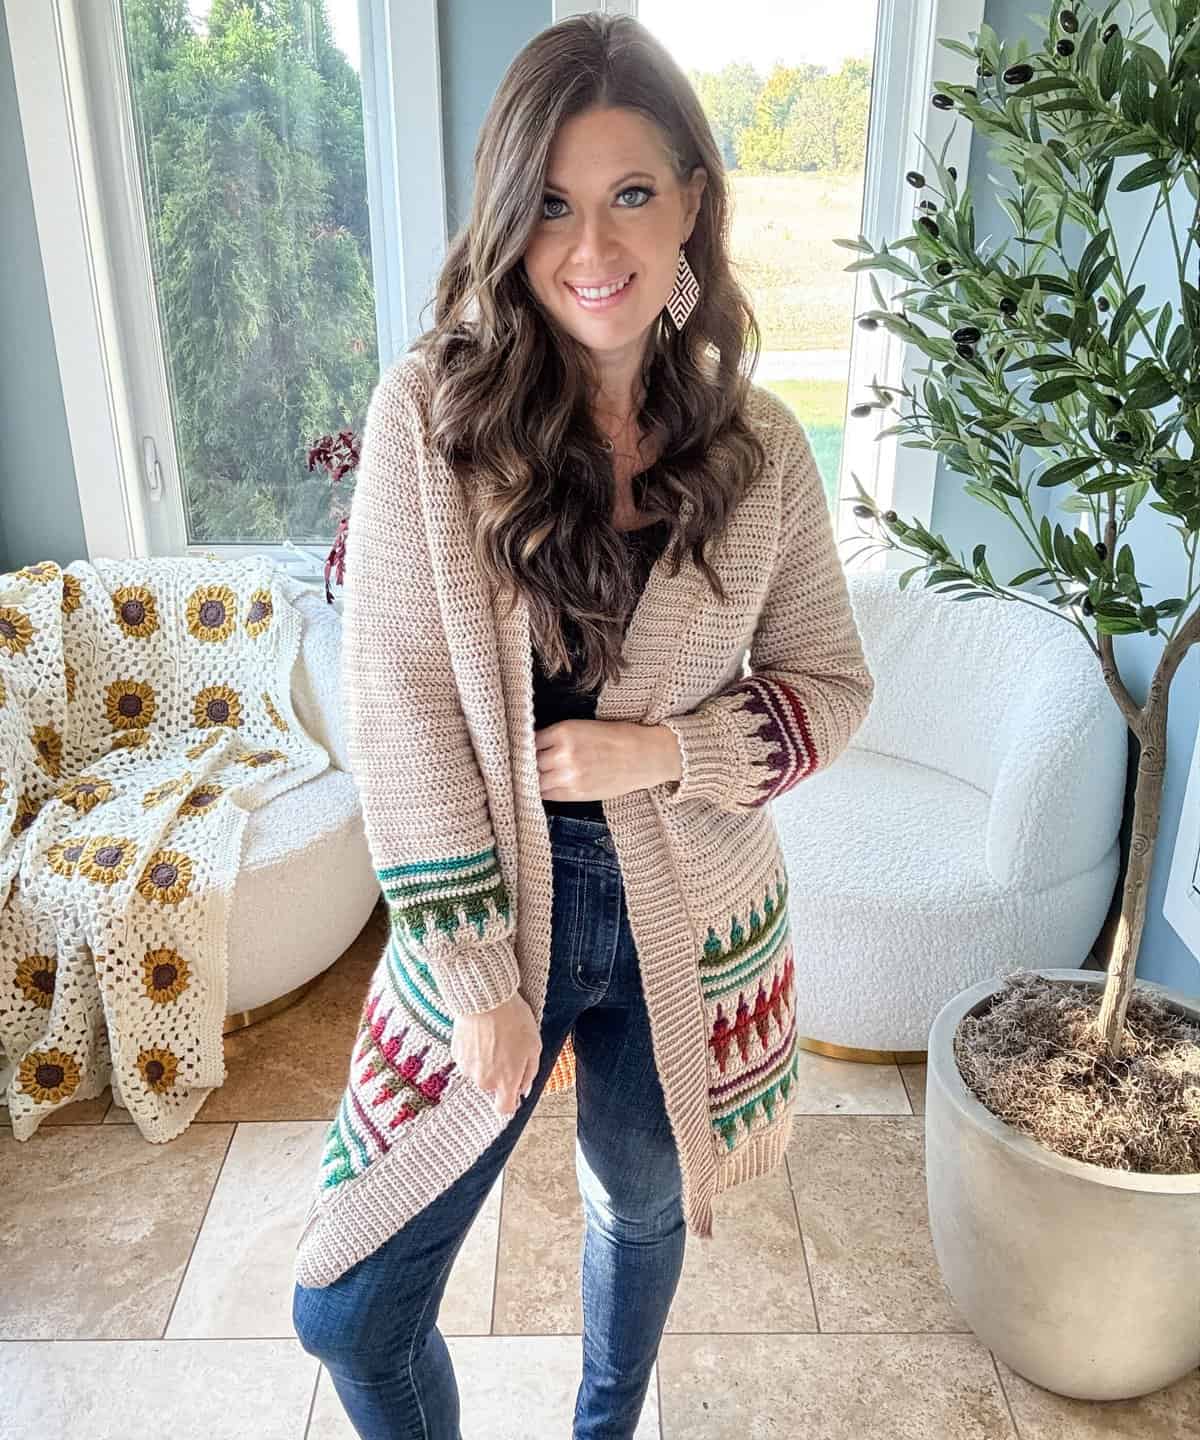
{"x": 440, "y": 728}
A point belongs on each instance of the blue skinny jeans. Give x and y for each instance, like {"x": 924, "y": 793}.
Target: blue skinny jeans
{"x": 375, "y": 1328}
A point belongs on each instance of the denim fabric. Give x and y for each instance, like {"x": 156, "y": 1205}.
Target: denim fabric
{"x": 375, "y": 1329}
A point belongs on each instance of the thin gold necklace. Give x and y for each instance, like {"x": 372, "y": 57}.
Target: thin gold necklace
{"x": 622, "y": 454}
{"x": 610, "y": 445}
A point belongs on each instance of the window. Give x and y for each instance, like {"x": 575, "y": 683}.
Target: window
{"x": 249, "y": 127}
{"x": 242, "y": 219}
{"x": 215, "y": 189}
{"x": 788, "y": 100}
{"x": 816, "y": 110}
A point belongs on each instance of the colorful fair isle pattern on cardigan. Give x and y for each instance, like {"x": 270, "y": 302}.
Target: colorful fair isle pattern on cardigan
{"x": 784, "y": 726}
{"x": 401, "y": 1063}
{"x": 398, "y": 1070}
{"x": 762, "y": 689}
{"x": 761, "y": 1037}
{"x": 438, "y": 890}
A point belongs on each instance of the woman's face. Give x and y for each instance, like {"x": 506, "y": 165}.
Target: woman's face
{"x": 612, "y": 208}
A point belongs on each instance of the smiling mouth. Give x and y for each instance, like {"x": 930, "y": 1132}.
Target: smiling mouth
{"x": 623, "y": 284}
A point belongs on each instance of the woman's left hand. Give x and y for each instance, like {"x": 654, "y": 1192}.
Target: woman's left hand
{"x": 600, "y": 759}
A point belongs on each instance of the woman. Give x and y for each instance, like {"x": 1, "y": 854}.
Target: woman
{"x": 574, "y": 517}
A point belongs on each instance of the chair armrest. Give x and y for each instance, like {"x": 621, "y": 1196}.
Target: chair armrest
{"x": 316, "y": 677}
{"x": 1059, "y": 794}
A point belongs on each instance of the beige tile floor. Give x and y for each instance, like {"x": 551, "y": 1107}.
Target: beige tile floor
{"x": 150, "y": 1285}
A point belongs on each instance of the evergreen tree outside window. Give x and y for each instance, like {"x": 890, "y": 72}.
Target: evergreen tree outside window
{"x": 250, "y": 133}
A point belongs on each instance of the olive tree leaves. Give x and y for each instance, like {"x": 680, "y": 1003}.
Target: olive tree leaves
{"x": 1039, "y": 356}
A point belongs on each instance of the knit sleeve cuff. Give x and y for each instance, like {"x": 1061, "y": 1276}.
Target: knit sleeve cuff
{"x": 712, "y": 753}
{"x": 474, "y": 978}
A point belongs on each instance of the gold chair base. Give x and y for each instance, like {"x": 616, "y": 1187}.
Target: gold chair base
{"x": 242, "y": 1018}
{"x": 863, "y": 1057}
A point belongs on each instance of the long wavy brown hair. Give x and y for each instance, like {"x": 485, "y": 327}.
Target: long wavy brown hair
{"x": 512, "y": 389}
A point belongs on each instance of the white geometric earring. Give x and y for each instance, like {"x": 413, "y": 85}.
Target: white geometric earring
{"x": 685, "y": 292}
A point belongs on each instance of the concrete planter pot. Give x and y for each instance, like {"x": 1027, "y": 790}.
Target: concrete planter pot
{"x": 1083, "y": 1279}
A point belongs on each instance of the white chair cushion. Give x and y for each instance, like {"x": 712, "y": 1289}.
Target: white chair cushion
{"x": 305, "y": 889}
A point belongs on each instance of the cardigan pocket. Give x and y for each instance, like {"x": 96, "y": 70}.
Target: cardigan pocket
{"x": 733, "y": 875}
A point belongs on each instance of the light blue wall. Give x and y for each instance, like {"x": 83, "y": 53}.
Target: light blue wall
{"x": 39, "y": 501}
{"x": 39, "y": 508}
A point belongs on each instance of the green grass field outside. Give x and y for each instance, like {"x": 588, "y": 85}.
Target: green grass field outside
{"x": 821, "y": 406}
{"x": 782, "y": 233}
{"x": 783, "y": 229}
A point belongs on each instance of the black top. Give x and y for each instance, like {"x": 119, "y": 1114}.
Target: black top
{"x": 557, "y": 699}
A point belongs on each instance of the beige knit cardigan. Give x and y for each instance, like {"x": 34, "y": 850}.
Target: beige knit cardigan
{"x": 439, "y": 699}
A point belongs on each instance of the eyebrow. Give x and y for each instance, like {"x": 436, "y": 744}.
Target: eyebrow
{"x": 632, "y": 175}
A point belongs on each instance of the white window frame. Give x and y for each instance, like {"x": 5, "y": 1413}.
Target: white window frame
{"x": 72, "y": 93}
{"x": 908, "y": 60}
{"x": 89, "y": 210}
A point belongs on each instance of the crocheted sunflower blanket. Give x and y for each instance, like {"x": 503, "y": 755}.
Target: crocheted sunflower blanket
{"x": 145, "y": 711}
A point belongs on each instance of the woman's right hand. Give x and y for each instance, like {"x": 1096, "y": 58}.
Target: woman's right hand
{"x": 500, "y": 1050}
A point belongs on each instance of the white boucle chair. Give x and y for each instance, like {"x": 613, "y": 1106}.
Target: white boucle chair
{"x": 306, "y": 885}
{"x": 969, "y": 830}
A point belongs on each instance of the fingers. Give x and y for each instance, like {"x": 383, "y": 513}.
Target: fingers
{"x": 513, "y": 1100}
{"x": 530, "y": 1075}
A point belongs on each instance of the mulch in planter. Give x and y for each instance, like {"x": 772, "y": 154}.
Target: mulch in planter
{"x": 1035, "y": 1059}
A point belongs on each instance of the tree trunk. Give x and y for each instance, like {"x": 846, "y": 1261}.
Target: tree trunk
{"x": 1147, "y": 806}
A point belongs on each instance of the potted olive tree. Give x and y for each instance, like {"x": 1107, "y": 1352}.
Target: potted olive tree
{"x": 1063, "y": 1111}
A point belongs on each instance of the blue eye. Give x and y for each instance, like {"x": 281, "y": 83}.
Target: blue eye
{"x": 629, "y": 190}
